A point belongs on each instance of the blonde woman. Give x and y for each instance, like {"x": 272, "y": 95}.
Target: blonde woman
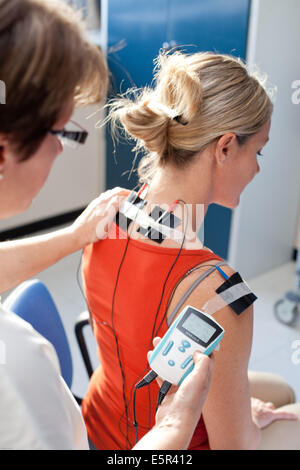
{"x": 200, "y": 128}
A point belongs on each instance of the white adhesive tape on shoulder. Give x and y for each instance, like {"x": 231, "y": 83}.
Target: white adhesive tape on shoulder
{"x": 226, "y": 298}
{"x": 144, "y": 220}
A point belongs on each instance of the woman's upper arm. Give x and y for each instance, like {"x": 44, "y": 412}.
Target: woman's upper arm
{"x": 227, "y": 410}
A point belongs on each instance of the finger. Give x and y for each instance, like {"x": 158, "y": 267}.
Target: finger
{"x": 116, "y": 192}
{"x": 201, "y": 359}
{"x": 198, "y": 381}
{"x": 270, "y": 405}
{"x": 173, "y": 388}
{"x": 155, "y": 342}
{"x": 114, "y": 201}
{"x": 159, "y": 381}
{"x": 118, "y": 189}
{"x": 203, "y": 362}
{"x": 284, "y": 415}
{"x": 111, "y": 206}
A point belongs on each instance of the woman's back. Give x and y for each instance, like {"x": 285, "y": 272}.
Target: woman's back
{"x": 125, "y": 334}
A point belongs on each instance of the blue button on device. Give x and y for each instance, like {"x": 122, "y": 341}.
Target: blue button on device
{"x": 171, "y": 363}
{"x": 186, "y": 344}
{"x": 181, "y": 349}
{"x": 167, "y": 349}
{"x": 186, "y": 362}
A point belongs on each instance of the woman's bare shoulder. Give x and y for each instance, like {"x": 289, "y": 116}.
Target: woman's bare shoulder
{"x": 206, "y": 288}
{"x": 235, "y": 325}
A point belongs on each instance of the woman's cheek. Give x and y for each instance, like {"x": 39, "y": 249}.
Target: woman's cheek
{"x": 52, "y": 147}
{"x": 44, "y": 161}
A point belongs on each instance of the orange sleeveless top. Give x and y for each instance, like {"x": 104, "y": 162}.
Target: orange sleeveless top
{"x": 137, "y": 298}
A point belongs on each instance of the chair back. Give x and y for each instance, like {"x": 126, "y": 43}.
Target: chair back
{"x": 33, "y": 303}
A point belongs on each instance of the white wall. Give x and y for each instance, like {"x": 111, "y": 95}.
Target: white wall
{"x": 264, "y": 225}
{"x": 297, "y": 237}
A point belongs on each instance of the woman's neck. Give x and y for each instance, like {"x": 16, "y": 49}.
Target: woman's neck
{"x": 193, "y": 187}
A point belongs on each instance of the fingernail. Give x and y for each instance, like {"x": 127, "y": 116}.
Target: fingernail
{"x": 198, "y": 354}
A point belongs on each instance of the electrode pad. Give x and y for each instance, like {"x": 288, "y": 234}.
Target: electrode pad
{"x": 157, "y": 226}
{"x": 129, "y": 210}
{"x": 233, "y": 292}
{"x": 164, "y": 218}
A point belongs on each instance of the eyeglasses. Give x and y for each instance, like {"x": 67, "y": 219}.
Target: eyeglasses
{"x": 72, "y": 135}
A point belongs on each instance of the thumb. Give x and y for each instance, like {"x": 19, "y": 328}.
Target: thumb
{"x": 199, "y": 379}
{"x": 202, "y": 362}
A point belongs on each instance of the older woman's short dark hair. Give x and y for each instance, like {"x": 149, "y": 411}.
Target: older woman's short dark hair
{"x": 45, "y": 60}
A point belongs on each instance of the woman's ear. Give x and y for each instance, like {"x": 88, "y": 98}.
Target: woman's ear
{"x": 225, "y": 147}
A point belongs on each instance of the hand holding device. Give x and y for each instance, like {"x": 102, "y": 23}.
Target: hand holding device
{"x": 178, "y": 415}
{"x": 172, "y": 359}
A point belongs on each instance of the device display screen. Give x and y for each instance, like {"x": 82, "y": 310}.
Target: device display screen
{"x": 198, "y": 327}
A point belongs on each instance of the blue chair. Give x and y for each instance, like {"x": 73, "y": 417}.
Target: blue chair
{"x": 33, "y": 302}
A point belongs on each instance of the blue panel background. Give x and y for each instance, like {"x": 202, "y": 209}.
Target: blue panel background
{"x": 137, "y": 30}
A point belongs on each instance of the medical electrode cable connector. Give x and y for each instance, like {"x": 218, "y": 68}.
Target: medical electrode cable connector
{"x": 146, "y": 380}
{"x": 142, "y": 383}
{"x": 162, "y": 393}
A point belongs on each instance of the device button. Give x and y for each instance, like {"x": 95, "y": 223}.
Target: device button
{"x": 171, "y": 363}
{"x": 167, "y": 349}
{"x": 186, "y": 362}
{"x": 181, "y": 349}
{"x": 186, "y": 344}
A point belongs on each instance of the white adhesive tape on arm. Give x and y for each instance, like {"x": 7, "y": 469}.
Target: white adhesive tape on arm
{"x": 226, "y": 298}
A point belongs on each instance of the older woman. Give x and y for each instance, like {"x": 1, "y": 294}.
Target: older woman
{"x": 48, "y": 68}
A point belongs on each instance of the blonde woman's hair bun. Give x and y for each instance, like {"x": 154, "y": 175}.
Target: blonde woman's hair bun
{"x": 179, "y": 86}
{"x": 144, "y": 119}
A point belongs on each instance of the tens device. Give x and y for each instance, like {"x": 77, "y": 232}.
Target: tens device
{"x": 172, "y": 359}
